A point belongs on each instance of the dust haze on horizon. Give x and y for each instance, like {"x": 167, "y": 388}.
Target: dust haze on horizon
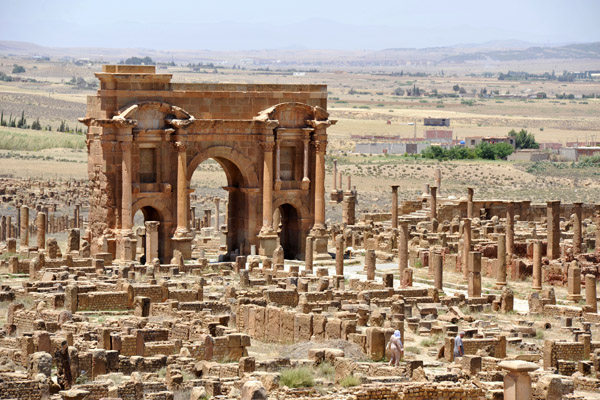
{"x": 310, "y": 24}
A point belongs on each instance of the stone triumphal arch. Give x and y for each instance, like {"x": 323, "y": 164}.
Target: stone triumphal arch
{"x": 146, "y": 136}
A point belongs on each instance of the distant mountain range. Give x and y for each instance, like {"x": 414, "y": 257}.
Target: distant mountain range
{"x": 498, "y": 51}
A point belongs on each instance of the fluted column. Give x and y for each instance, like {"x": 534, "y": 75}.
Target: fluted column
{"x": 394, "y": 206}
{"x": 320, "y": 147}
{"x": 182, "y": 192}
{"x": 267, "y": 204}
{"x": 126, "y": 216}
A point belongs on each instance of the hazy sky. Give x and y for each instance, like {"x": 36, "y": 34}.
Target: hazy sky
{"x": 319, "y": 24}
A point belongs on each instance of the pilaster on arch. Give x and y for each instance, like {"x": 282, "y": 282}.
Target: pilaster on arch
{"x": 242, "y": 162}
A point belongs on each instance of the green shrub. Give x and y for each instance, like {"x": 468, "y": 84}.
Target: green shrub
{"x": 413, "y": 349}
{"x": 349, "y": 381}
{"x": 539, "y": 334}
{"x": 326, "y": 370}
{"x": 297, "y": 377}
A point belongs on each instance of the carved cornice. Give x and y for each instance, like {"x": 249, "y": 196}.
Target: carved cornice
{"x": 115, "y": 122}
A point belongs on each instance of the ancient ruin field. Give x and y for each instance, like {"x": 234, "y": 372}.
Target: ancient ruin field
{"x": 140, "y": 289}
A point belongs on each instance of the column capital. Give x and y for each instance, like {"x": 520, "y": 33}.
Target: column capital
{"x": 320, "y": 145}
{"x": 179, "y": 146}
{"x": 152, "y": 225}
{"x": 267, "y": 146}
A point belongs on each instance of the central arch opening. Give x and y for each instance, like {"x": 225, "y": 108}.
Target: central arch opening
{"x": 218, "y": 180}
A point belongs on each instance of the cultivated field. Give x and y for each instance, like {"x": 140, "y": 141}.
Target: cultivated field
{"x": 363, "y": 102}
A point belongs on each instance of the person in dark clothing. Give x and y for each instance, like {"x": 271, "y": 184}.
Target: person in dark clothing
{"x": 63, "y": 366}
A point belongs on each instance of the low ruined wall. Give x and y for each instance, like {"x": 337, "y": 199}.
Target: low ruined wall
{"x": 418, "y": 391}
{"x": 568, "y": 351}
{"x": 16, "y": 389}
{"x": 102, "y": 301}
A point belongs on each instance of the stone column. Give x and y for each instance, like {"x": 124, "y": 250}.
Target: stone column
{"x": 305, "y": 178}
{"x": 182, "y": 191}
{"x": 24, "y": 227}
{"x": 501, "y": 261}
{"x": 574, "y": 283}
{"x": 319, "y": 229}
{"x": 349, "y": 181}
{"x": 402, "y": 247}
{"x": 268, "y": 186}
{"x": 438, "y": 270}
{"x": 334, "y": 175}
{"x": 474, "y": 287}
{"x": 217, "y": 213}
{"x": 394, "y": 206}
{"x": 591, "y": 299}
{"x": 339, "y": 254}
{"x": 151, "y": 241}
{"x": 207, "y": 218}
{"x": 469, "y": 202}
{"x": 320, "y": 184}
{"x": 341, "y": 181}
{"x": 433, "y": 210}
{"x": 9, "y": 232}
{"x": 517, "y": 382}
{"x": 553, "y": 223}
{"x": 577, "y": 234}
{"x": 349, "y": 208}
{"x": 370, "y": 263}
{"x": 3, "y": 234}
{"x": 438, "y": 179}
{"x": 466, "y": 246}
{"x": 277, "y": 165}
{"x": 40, "y": 222}
{"x": 510, "y": 228}
{"x": 308, "y": 256}
{"x": 537, "y": 265}
{"x": 126, "y": 199}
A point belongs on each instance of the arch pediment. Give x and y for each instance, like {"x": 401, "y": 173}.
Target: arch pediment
{"x": 155, "y": 115}
{"x": 293, "y": 115}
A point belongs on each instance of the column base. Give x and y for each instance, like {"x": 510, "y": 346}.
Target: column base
{"x": 500, "y": 284}
{"x": 267, "y": 243}
{"x": 574, "y": 297}
{"x": 320, "y": 244}
{"x": 537, "y": 289}
{"x": 305, "y": 184}
{"x": 183, "y": 244}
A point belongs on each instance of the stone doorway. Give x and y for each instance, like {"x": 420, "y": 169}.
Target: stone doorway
{"x": 290, "y": 233}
